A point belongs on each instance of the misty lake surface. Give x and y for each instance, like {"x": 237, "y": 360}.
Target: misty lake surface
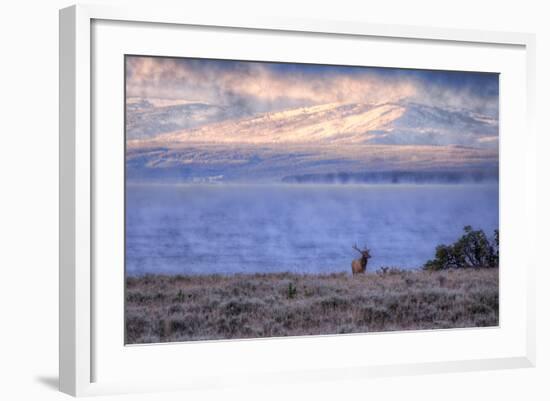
{"x": 226, "y": 229}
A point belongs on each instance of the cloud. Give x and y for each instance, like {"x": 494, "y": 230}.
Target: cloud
{"x": 261, "y": 86}
{"x": 265, "y": 86}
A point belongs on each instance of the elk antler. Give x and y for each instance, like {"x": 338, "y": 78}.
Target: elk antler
{"x": 357, "y": 249}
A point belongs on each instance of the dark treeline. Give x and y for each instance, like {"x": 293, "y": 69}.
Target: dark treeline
{"x": 396, "y": 177}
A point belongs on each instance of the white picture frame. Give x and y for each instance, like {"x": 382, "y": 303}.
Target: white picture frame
{"x": 82, "y": 346}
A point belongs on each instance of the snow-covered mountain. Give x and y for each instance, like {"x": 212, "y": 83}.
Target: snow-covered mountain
{"x": 146, "y": 118}
{"x": 390, "y": 123}
{"x": 319, "y": 139}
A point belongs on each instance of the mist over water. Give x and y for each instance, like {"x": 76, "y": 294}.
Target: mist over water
{"x": 205, "y": 229}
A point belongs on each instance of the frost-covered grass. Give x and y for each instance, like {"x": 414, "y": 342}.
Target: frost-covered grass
{"x": 162, "y": 308}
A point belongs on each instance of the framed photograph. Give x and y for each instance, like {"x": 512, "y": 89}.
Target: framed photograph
{"x": 264, "y": 200}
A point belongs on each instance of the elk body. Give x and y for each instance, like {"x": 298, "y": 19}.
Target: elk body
{"x": 360, "y": 265}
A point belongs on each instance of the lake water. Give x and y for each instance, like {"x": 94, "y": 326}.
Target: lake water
{"x": 186, "y": 229}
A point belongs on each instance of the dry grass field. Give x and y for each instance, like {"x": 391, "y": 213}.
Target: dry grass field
{"x": 210, "y": 307}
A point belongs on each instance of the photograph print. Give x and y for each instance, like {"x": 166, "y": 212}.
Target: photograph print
{"x": 268, "y": 199}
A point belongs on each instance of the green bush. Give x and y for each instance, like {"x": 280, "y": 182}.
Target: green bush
{"x": 473, "y": 249}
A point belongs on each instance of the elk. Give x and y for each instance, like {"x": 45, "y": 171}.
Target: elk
{"x": 360, "y": 265}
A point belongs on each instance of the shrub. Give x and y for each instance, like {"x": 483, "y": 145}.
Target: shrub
{"x": 291, "y": 291}
{"x": 180, "y": 297}
{"x": 473, "y": 249}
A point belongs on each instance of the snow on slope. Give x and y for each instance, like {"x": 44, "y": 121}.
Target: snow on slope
{"x": 326, "y": 123}
{"x": 322, "y": 139}
{"x": 390, "y": 123}
{"x": 146, "y": 118}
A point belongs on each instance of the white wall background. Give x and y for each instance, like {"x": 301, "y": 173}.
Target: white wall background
{"x": 29, "y": 200}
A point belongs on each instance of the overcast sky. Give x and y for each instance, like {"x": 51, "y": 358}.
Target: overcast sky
{"x": 249, "y": 87}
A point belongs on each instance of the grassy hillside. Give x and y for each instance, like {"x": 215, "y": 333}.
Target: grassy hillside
{"x": 182, "y": 308}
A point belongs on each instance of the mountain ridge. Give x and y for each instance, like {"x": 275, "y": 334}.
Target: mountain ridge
{"x": 321, "y": 139}
{"x": 386, "y": 123}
